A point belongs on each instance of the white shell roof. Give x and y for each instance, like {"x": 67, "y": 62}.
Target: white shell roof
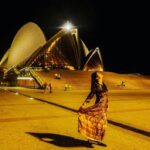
{"x": 27, "y": 40}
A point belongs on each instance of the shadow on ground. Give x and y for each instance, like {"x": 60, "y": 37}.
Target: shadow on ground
{"x": 59, "y": 140}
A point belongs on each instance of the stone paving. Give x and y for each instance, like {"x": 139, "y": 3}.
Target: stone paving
{"x": 32, "y": 120}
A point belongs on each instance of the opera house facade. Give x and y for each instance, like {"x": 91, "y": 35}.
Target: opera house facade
{"x": 65, "y": 50}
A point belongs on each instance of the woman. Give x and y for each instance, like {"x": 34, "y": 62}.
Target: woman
{"x": 93, "y": 119}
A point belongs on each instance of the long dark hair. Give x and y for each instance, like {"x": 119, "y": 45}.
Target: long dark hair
{"x": 93, "y": 80}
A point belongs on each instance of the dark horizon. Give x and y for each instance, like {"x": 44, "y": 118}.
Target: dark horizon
{"x": 120, "y": 30}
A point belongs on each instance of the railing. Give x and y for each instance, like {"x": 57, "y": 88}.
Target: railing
{"x": 37, "y": 78}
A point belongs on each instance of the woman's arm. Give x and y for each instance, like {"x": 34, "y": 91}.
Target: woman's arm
{"x": 90, "y": 96}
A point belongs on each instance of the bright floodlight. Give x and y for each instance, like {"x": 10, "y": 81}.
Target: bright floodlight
{"x": 67, "y": 26}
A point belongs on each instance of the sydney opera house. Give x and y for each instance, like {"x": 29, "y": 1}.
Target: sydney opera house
{"x": 65, "y": 50}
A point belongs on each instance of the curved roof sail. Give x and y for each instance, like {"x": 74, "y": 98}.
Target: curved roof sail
{"x": 25, "y": 42}
{"x": 4, "y": 59}
{"x": 64, "y": 49}
{"x": 85, "y": 49}
{"x": 94, "y": 61}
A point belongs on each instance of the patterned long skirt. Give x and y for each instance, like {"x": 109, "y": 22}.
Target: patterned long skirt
{"x": 92, "y": 121}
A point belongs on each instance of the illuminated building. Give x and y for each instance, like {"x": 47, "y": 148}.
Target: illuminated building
{"x": 65, "y": 50}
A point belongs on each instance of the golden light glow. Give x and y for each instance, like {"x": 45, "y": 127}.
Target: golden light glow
{"x": 24, "y": 78}
{"x": 67, "y": 26}
{"x": 53, "y": 44}
{"x": 70, "y": 67}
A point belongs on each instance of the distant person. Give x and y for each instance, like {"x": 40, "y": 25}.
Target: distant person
{"x": 69, "y": 87}
{"x": 93, "y": 119}
{"x": 66, "y": 87}
{"x": 50, "y": 87}
{"x": 123, "y": 84}
{"x": 57, "y": 76}
{"x": 46, "y": 87}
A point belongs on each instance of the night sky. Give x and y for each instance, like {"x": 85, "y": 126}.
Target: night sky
{"x": 119, "y": 29}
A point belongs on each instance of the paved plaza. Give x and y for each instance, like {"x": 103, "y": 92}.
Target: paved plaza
{"x": 32, "y": 120}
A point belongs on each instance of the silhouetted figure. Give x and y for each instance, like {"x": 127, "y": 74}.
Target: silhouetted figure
{"x": 123, "y": 84}
{"x": 50, "y": 87}
{"x": 66, "y": 87}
